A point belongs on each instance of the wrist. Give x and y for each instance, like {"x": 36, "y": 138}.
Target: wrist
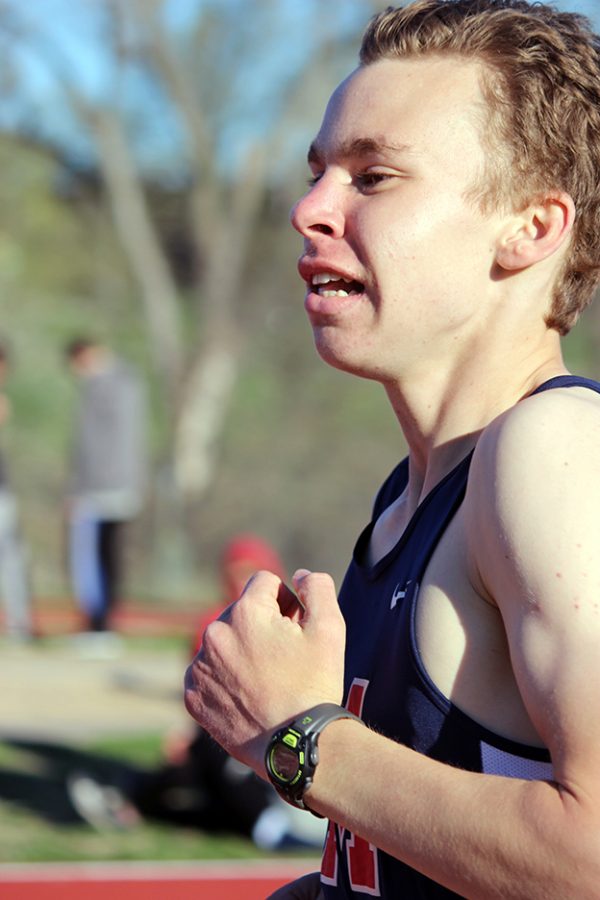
{"x": 336, "y": 742}
{"x": 293, "y": 753}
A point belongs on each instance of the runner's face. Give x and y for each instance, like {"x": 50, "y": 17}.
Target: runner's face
{"x": 387, "y": 217}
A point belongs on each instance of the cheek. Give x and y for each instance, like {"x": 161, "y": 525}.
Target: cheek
{"x": 404, "y": 258}
{"x": 408, "y": 231}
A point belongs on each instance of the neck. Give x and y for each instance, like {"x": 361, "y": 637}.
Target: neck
{"x": 443, "y": 410}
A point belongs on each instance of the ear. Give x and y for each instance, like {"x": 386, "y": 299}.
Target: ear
{"x": 537, "y": 232}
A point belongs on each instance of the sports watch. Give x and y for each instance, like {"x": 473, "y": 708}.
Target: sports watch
{"x": 292, "y": 754}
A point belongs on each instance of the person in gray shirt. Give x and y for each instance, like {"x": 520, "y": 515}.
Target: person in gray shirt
{"x": 107, "y": 477}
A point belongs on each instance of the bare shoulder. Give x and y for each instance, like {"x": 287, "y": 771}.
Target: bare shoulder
{"x": 534, "y": 486}
{"x": 554, "y": 419}
{"x": 546, "y": 442}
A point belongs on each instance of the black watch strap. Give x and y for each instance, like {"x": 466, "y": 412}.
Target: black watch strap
{"x": 298, "y": 741}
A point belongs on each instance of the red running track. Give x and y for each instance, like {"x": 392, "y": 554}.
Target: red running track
{"x": 223, "y": 880}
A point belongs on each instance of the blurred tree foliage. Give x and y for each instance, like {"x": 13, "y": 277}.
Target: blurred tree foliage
{"x": 145, "y": 201}
{"x": 182, "y": 259}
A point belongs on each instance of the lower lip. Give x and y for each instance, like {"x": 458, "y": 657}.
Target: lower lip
{"x": 318, "y": 305}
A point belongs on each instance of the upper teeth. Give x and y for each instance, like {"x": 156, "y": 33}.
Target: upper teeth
{"x": 326, "y": 277}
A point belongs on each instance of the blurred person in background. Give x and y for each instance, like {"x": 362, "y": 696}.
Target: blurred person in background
{"x": 107, "y": 478}
{"x": 198, "y": 784}
{"x": 15, "y": 583}
{"x": 241, "y": 557}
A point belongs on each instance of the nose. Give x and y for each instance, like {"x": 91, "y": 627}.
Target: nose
{"x": 318, "y": 212}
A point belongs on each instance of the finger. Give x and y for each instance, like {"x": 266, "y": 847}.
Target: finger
{"x": 299, "y": 575}
{"x": 262, "y": 586}
{"x": 289, "y": 603}
{"x": 316, "y": 591}
{"x": 322, "y": 615}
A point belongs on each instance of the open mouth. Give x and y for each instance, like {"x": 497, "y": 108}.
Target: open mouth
{"x": 328, "y": 284}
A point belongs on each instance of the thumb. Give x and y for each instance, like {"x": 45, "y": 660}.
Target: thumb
{"x": 317, "y": 593}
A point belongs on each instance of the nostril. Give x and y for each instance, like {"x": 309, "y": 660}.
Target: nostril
{"x": 323, "y": 229}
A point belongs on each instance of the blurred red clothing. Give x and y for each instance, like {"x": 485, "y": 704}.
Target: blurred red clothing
{"x": 241, "y": 558}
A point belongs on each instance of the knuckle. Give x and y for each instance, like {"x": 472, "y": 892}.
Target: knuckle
{"x": 260, "y": 582}
{"x": 268, "y": 577}
{"x": 190, "y": 699}
{"x": 192, "y": 692}
{"x": 210, "y": 655}
{"x": 320, "y": 581}
{"x": 325, "y": 578}
{"x": 210, "y": 639}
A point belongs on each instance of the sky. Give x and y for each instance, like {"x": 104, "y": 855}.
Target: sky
{"x": 589, "y": 8}
{"x": 74, "y": 35}
{"x": 73, "y": 31}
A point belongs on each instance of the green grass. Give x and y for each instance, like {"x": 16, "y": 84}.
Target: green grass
{"x": 27, "y": 835}
{"x": 25, "y": 838}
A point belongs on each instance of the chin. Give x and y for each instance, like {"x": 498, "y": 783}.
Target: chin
{"x": 345, "y": 359}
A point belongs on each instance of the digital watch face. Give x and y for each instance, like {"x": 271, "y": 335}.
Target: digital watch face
{"x": 284, "y": 762}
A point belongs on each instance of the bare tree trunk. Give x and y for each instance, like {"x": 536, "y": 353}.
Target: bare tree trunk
{"x": 221, "y": 223}
{"x": 214, "y": 371}
{"x": 202, "y": 415}
{"x": 141, "y": 245}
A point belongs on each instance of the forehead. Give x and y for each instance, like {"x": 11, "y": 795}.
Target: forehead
{"x": 426, "y": 106}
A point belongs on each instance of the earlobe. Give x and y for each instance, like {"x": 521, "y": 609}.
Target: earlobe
{"x": 537, "y": 233}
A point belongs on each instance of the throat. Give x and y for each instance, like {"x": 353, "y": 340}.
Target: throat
{"x": 388, "y": 529}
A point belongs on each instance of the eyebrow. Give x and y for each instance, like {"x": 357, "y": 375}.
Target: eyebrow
{"x": 358, "y": 147}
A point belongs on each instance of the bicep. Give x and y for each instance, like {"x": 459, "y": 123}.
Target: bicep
{"x": 535, "y": 528}
{"x": 554, "y": 643}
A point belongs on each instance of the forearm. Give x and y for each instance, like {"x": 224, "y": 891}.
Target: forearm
{"x": 481, "y": 836}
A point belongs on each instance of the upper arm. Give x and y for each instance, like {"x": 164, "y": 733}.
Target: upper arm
{"x": 533, "y": 519}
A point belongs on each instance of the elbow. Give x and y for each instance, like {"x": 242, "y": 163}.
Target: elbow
{"x": 589, "y": 872}
{"x": 583, "y": 851}
{"x": 567, "y": 847}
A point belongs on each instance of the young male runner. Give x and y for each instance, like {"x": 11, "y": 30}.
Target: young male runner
{"x": 451, "y": 235}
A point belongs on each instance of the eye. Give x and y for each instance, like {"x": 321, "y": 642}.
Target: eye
{"x": 316, "y": 176}
{"x": 368, "y": 180}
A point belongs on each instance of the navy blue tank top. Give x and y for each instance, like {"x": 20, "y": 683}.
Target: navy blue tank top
{"x": 387, "y": 685}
